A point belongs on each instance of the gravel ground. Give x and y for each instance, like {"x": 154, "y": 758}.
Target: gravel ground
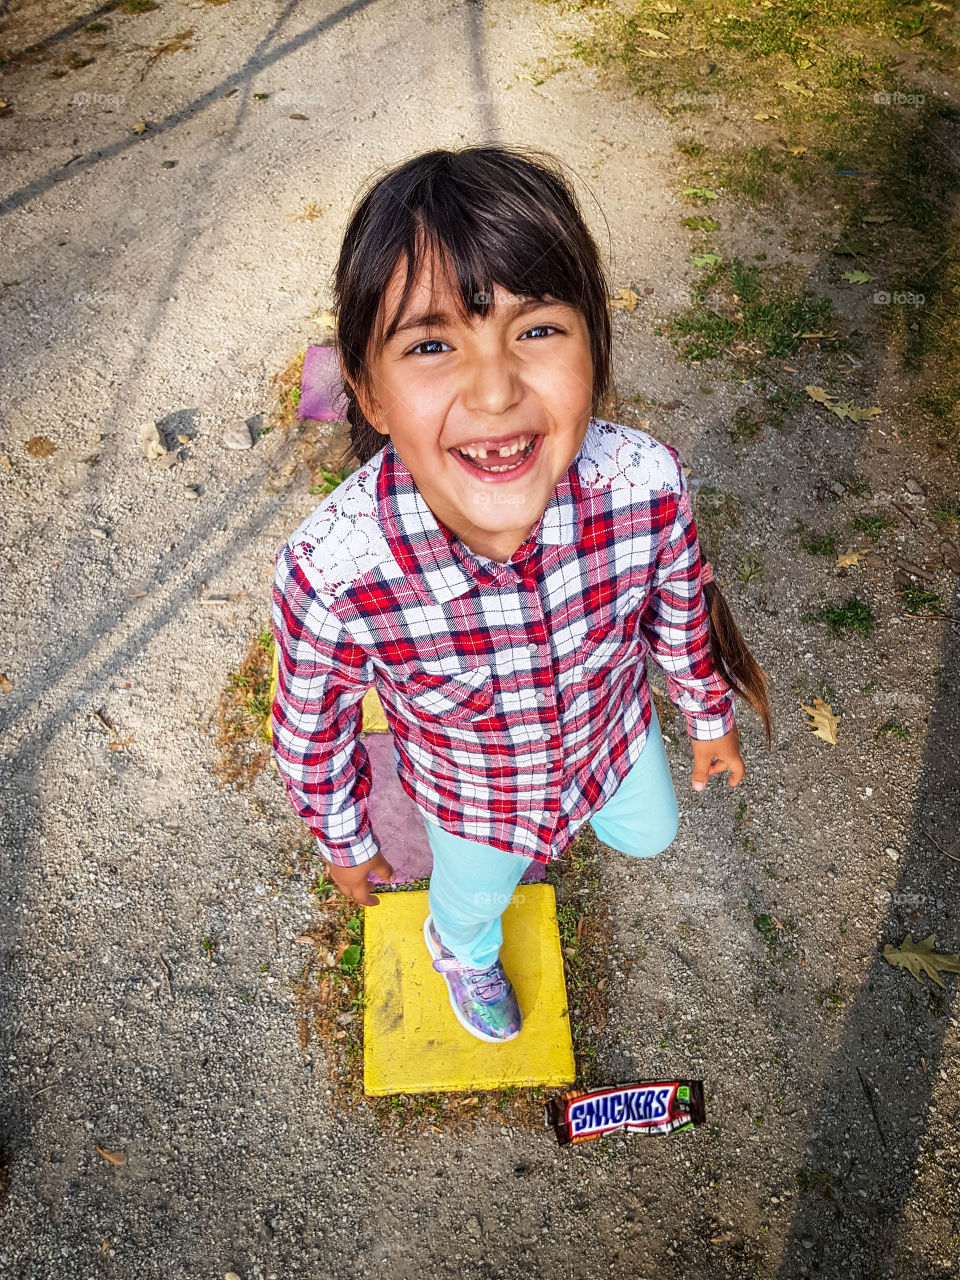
{"x": 140, "y": 293}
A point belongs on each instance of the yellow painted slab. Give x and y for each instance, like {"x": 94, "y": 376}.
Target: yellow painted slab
{"x": 412, "y": 1041}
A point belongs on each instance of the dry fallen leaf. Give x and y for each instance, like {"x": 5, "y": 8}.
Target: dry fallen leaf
{"x": 824, "y": 722}
{"x": 40, "y": 447}
{"x": 112, "y": 1157}
{"x": 625, "y": 298}
{"x": 858, "y": 277}
{"x": 841, "y": 408}
{"x": 139, "y": 126}
{"x": 850, "y": 558}
{"x": 793, "y": 86}
{"x": 920, "y": 958}
{"x": 5, "y": 683}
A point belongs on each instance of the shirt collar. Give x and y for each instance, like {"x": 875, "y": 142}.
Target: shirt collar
{"x": 436, "y": 562}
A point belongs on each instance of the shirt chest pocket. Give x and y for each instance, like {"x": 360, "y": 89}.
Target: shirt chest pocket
{"x": 605, "y": 653}
{"x": 453, "y": 699}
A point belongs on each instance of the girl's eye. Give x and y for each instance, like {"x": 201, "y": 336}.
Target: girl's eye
{"x": 434, "y": 342}
{"x": 427, "y": 342}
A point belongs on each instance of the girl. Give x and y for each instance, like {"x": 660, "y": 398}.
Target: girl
{"x": 499, "y": 565}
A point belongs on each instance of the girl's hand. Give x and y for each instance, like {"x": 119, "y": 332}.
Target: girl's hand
{"x": 352, "y": 881}
{"x": 716, "y": 756}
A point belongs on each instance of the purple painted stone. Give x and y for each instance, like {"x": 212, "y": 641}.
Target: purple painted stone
{"x": 321, "y": 390}
{"x": 398, "y": 823}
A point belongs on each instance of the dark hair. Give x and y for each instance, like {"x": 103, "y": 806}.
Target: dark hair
{"x": 491, "y": 215}
{"x": 733, "y": 660}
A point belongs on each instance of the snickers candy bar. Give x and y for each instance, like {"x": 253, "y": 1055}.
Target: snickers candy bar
{"x": 652, "y": 1106}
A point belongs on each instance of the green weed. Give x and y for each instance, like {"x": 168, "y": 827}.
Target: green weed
{"x": 852, "y": 615}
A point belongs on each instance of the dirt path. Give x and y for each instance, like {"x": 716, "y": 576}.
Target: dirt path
{"x": 164, "y": 274}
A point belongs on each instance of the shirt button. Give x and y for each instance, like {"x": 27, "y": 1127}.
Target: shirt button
{"x": 533, "y": 648}
{"x": 541, "y": 697}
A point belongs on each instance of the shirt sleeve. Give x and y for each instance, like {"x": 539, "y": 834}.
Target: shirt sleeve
{"x": 675, "y": 622}
{"x": 317, "y": 718}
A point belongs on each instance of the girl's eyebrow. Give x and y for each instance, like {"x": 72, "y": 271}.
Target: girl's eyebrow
{"x": 433, "y": 319}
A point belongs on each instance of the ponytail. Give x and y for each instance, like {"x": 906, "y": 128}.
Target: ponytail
{"x": 730, "y": 655}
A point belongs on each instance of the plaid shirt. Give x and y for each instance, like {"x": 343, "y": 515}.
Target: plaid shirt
{"x": 516, "y": 693}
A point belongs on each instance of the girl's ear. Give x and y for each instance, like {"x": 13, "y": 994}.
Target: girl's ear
{"x": 369, "y": 412}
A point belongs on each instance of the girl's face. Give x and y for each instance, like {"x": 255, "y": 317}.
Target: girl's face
{"x": 516, "y": 386}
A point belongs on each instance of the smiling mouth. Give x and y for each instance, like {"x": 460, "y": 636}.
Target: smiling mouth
{"x": 491, "y": 461}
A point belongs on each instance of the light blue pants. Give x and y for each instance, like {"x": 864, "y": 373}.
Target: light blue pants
{"x": 472, "y": 883}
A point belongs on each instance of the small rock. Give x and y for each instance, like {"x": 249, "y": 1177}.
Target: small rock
{"x": 191, "y": 491}
{"x": 99, "y": 533}
{"x": 237, "y": 435}
{"x": 914, "y": 486}
{"x": 892, "y": 853}
{"x": 168, "y": 164}
{"x": 151, "y": 442}
{"x": 837, "y": 488}
{"x": 707, "y": 68}
{"x": 231, "y": 1275}
{"x": 808, "y": 1242}
{"x": 183, "y": 439}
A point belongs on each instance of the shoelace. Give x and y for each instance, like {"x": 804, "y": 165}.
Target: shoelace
{"x": 487, "y": 983}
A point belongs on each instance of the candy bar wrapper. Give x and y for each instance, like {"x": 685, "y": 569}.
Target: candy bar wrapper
{"x": 652, "y": 1106}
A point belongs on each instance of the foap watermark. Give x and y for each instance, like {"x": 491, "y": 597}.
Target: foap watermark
{"x": 97, "y": 299}
{"x": 684, "y": 99}
{"x": 496, "y": 498}
{"x": 84, "y": 98}
{"x": 484, "y": 899}
{"x": 694, "y": 298}
{"x": 885, "y": 299}
{"x": 884, "y": 899}
{"x": 899, "y": 99}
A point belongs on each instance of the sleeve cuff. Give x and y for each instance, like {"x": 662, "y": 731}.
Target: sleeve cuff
{"x": 354, "y": 855}
{"x": 706, "y": 728}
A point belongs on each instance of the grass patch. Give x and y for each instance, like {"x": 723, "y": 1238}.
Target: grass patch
{"x": 750, "y": 314}
{"x": 917, "y": 599}
{"x": 746, "y": 425}
{"x": 894, "y": 728}
{"x": 872, "y": 526}
{"x": 286, "y": 385}
{"x": 852, "y": 615}
{"x": 946, "y": 512}
{"x": 823, "y": 545}
{"x": 244, "y": 740}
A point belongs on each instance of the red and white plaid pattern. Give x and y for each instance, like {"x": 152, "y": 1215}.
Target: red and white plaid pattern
{"x": 517, "y": 693}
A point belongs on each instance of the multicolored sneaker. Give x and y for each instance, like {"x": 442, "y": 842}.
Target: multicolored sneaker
{"x": 483, "y": 1000}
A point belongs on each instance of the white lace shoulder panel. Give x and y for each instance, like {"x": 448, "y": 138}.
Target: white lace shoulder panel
{"x": 613, "y": 455}
{"x": 342, "y": 538}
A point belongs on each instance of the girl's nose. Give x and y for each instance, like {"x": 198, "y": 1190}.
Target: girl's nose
{"x": 491, "y": 383}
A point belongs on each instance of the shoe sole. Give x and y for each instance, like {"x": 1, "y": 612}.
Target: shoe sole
{"x": 467, "y": 1026}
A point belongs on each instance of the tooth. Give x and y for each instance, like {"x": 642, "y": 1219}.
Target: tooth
{"x": 481, "y": 451}
{"x": 506, "y": 450}
{"x": 469, "y": 450}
